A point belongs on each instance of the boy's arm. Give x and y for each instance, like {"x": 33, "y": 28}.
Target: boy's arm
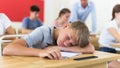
{"x": 25, "y": 25}
{"x": 19, "y": 47}
{"x": 10, "y": 30}
{"x": 89, "y": 49}
{"x": 26, "y": 31}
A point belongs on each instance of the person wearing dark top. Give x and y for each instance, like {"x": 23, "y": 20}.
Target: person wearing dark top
{"x": 32, "y": 22}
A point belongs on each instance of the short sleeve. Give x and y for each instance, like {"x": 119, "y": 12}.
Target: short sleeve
{"x": 35, "y": 37}
{"x": 5, "y": 21}
{"x": 25, "y": 22}
{"x": 112, "y": 25}
{"x": 1, "y": 29}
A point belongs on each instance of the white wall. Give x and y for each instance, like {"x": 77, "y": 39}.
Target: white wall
{"x": 103, "y": 10}
{"x": 52, "y": 8}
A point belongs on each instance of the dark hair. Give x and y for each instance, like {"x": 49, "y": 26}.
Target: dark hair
{"x": 34, "y": 8}
{"x": 82, "y": 33}
{"x": 116, "y": 9}
{"x": 63, "y": 11}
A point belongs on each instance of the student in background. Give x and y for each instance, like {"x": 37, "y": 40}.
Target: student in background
{"x": 62, "y": 20}
{"x": 32, "y": 22}
{"x": 110, "y": 33}
{"x": 49, "y": 41}
{"x": 5, "y": 25}
{"x": 80, "y": 11}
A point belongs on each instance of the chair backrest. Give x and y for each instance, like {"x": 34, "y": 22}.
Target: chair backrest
{"x": 20, "y": 31}
{"x": 4, "y": 42}
{"x": 4, "y": 45}
{"x": 94, "y": 41}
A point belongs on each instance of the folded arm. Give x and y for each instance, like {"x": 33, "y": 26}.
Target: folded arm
{"x": 20, "y": 48}
{"x": 89, "y": 49}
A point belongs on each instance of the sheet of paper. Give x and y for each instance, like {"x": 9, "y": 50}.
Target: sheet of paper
{"x": 69, "y": 54}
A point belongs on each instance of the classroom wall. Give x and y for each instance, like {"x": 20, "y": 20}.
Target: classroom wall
{"x": 16, "y": 10}
{"x": 52, "y": 8}
{"x": 103, "y": 10}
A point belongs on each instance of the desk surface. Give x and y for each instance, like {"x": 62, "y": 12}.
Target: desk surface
{"x": 37, "y": 62}
{"x": 115, "y": 45}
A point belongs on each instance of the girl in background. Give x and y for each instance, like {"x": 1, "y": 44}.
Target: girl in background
{"x": 111, "y": 34}
{"x": 62, "y": 20}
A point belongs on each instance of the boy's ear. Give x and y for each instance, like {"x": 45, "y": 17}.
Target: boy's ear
{"x": 67, "y": 26}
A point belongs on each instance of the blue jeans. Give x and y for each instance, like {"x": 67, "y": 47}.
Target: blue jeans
{"x": 106, "y": 49}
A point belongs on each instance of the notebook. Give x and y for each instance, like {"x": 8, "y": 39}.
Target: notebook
{"x": 69, "y": 54}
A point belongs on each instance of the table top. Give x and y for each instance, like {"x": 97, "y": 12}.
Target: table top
{"x": 37, "y": 62}
{"x": 115, "y": 45}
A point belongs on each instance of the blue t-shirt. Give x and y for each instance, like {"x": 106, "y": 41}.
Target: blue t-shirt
{"x": 29, "y": 24}
{"x": 41, "y": 37}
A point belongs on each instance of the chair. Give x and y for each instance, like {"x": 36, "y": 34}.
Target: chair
{"x": 94, "y": 41}
{"x": 5, "y": 42}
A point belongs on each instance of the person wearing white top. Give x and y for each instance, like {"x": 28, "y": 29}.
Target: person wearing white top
{"x": 106, "y": 37}
{"x": 5, "y": 25}
{"x": 110, "y": 34}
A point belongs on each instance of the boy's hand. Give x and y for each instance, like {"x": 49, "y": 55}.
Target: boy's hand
{"x": 51, "y": 53}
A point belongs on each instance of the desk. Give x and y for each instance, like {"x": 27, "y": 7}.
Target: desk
{"x": 115, "y": 45}
{"x": 94, "y": 41}
{"x": 6, "y": 41}
{"x": 37, "y": 62}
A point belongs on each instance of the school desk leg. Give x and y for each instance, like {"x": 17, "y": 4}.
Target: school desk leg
{"x": 0, "y": 48}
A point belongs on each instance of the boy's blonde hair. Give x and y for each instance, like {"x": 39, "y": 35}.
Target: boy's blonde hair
{"x": 82, "y": 33}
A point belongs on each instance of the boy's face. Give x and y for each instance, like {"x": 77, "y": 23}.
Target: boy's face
{"x": 34, "y": 14}
{"x": 66, "y": 38}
